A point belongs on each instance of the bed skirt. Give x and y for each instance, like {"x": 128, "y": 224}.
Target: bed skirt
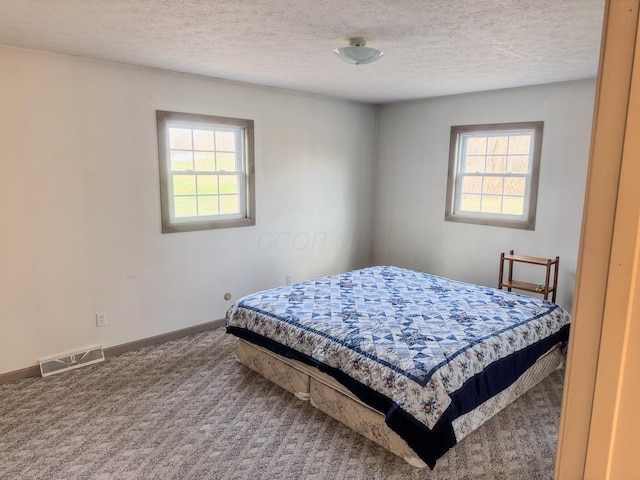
{"x": 325, "y": 393}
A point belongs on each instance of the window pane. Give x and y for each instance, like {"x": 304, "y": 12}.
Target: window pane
{"x": 229, "y": 204}
{"x": 476, "y": 146}
{"x": 185, "y": 206}
{"x": 472, "y": 184}
{"x": 208, "y": 205}
{"x": 228, "y": 184}
{"x": 203, "y": 140}
{"x": 470, "y": 203}
{"x": 226, "y": 162}
{"x": 497, "y": 145}
{"x": 181, "y": 161}
{"x": 492, "y": 185}
{"x": 184, "y": 184}
{"x": 519, "y": 164}
{"x": 514, "y": 186}
{"x": 180, "y": 138}
{"x": 491, "y": 203}
{"x": 225, "y": 141}
{"x": 491, "y": 174}
{"x": 205, "y": 161}
{"x": 519, "y": 144}
{"x": 203, "y": 158}
{"x": 496, "y": 164}
{"x": 474, "y": 164}
{"x": 513, "y": 205}
{"x": 207, "y": 184}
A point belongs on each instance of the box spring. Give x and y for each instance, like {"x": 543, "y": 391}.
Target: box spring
{"x": 329, "y": 396}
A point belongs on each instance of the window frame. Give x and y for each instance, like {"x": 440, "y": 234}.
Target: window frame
{"x": 525, "y": 221}
{"x": 170, "y": 224}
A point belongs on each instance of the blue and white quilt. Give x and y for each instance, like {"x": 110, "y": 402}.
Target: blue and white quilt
{"x": 422, "y": 349}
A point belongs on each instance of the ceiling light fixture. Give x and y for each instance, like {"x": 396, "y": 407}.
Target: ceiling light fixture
{"x": 357, "y": 52}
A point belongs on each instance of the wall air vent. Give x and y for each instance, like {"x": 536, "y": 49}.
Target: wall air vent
{"x": 70, "y": 361}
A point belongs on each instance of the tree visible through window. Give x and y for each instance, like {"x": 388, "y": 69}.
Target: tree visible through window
{"x": 493, "y": 174}
{"x": 206, "y": 166}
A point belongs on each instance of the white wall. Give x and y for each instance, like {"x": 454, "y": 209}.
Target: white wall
{"x": 413, "y": 151}
{"x": 80, "y": 201}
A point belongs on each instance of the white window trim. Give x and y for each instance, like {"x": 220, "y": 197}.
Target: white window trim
{"x": 454, "y": 180}
{"x": 171, "y": 224}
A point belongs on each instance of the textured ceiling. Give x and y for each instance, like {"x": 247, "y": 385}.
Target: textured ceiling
{"x": 432, "y": 47}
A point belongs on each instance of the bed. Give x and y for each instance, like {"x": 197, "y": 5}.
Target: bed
{"x": 413, "y": 361}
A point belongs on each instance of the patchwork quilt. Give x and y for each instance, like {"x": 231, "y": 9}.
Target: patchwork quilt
{"x": 421, "y": 349}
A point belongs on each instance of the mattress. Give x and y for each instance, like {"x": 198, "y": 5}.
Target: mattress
{"x": 425, "y": 351}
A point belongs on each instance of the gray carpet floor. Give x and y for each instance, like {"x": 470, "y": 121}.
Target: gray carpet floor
{"x": 186, "y": 410}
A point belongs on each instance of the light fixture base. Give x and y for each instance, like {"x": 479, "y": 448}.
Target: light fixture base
{"x": 357, "y": 53}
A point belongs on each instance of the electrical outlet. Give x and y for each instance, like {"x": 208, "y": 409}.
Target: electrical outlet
{"x": 101, "y": 319}
{"x": 287, "y": 279}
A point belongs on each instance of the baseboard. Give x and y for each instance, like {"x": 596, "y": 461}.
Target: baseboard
{"x": 165, "y": 337}
{"x": 34, "y": 371}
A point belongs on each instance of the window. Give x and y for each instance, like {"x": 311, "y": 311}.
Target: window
{"x": 206, "y": 171}
{"x": 493, "y": 174}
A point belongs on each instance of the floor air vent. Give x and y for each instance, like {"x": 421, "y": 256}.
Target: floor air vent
{"x": 69, "y": 361}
